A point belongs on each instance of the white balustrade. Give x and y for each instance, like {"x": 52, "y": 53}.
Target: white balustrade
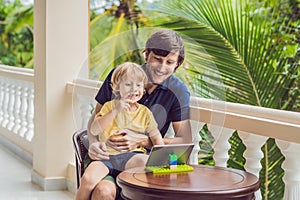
{"x": 17, "y": 107}
{"x": 5, "y": 104}
{"x": 195, "y": 126}
{"x": 221, "y": 144}
{"x": 17, "y": 102}
{"x": 23, "y": 111}
{"x": 290, "y": 166}
{"x": 11, "y": 117}
{"x": 253, "y": 154}
{"x": 30, "y": 113}
{"x": 2, "y": 83}
{"x": 254, "y": 124}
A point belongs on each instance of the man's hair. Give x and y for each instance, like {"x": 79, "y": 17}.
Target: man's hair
{"x": 129, "y": 69}
{"x": 163, "y": 42}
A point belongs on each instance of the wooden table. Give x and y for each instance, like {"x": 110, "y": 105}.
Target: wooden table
{"x": 205, "y": 182}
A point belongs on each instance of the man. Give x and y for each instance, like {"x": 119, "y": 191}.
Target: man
{"x": 166, "y": 96}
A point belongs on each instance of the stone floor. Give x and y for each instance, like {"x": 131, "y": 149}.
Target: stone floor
{"x": 15, "y": 181}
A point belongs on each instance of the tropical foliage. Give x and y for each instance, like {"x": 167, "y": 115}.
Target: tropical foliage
{"x": 118, "y": 41}
{"x": 16, "y": 29}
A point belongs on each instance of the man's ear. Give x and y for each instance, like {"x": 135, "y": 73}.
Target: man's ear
{"x": 145, "y": 54}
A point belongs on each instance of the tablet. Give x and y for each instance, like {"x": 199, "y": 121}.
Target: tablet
{"x": 159, "y": 154}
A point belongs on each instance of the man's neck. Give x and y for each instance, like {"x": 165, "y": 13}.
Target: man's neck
{"x": 151, "y": 87}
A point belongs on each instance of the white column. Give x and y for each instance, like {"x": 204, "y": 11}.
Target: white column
{"x": 30, "y": 113}
{"x": 290, "y": 166}
{"x": 2, "y": 93}
{"x": 221, "y": 144}
{"x": 60, "y": 49}
{"x": 196, "y": 127}
{"x": 23, "y": 110}
{"x": 253, "y": 154}
{"x": 17, "y": 108}
{"x": 5, "y": 103}
{"x": 11, "y": 118}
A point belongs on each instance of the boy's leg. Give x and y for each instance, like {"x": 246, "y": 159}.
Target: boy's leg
{"x": 127, "y": 160}
{"x": 93, "y": 174}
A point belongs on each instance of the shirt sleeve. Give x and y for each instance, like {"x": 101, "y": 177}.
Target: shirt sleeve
{"x": 105, "y": 92}
{"x": 107, "y": 107}
{"x": 181, "y": 108}
{"x": 151, "y": 122}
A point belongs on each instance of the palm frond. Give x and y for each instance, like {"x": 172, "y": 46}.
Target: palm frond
{"x": 19, "y": 18}
{"x": 122, "y": 43}
{"x": 239, "y": 43}
{"x": 100, "y": 28}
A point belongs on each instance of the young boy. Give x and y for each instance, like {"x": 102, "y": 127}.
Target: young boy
{"x": 122, "y": 113}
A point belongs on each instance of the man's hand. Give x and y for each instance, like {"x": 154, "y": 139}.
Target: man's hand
{"x": 126, "y": 140}
{"x": 97, "y": 151}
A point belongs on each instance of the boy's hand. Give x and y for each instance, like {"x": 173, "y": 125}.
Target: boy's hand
{"x": 122, "y": 104}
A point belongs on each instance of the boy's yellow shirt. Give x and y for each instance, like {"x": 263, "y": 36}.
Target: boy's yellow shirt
{"x": 140, "y": 121}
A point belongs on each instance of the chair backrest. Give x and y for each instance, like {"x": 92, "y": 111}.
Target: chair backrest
{"x": 81, "y": 144}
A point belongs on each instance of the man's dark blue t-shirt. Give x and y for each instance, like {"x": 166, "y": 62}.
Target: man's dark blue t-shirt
{"x": 169, "y": 102}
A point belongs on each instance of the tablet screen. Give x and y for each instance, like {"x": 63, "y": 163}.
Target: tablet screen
{"x": 159, "y": 155}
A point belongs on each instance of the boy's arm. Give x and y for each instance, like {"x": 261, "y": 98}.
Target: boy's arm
{"x": 96, "y": 151}
{"x": 100, "y": 123}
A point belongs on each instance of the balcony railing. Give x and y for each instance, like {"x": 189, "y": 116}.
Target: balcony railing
{"x": 17, "y": 106}
{"x": 254, "y": 125}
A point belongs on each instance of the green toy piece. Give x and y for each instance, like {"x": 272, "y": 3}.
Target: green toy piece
{"x": 173, "y": 166}
{"x": 173, "y": 159}
{"x": 166, "y": 170}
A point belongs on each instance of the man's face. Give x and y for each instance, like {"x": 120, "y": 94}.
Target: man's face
{"x": 160, "y": 68}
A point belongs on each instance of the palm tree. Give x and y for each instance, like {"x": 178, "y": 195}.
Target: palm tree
{"x": 113, "y": 37}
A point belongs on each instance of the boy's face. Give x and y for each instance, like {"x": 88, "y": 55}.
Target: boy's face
{"x": 159, "y": 68}
{"x": 131, "y": 89}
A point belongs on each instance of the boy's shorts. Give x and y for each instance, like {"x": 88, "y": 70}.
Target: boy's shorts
{"x": 115, "y": 164}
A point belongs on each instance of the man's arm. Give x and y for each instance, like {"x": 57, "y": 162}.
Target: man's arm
{"x": 97, "y": 150}
{"x": 183, "y": 133}
{"x": 91, "y": 137}
{"x": 130, "y": 141}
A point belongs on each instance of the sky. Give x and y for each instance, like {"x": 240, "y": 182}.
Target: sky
{"x": 26, "y": 2}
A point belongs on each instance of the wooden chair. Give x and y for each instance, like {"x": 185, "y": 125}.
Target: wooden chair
{"x": 81, "y": 144}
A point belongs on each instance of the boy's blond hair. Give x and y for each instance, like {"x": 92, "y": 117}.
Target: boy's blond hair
{"x": 127, "y": 69}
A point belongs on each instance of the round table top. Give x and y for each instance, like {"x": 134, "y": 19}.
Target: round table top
{"x": 205, "y": 182}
